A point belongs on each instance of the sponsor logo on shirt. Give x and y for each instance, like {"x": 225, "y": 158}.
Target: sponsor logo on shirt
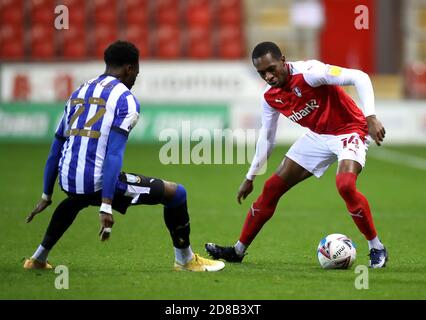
{"x": 309, "y": 107}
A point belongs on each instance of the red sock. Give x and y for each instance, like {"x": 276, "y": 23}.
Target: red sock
{"x": 263, "y": 208}
{"x": 356, "y": 203}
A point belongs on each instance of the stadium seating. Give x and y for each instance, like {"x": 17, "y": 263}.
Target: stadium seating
{"x": 168, "y": 42}
{"x": 11, "y": 29}
{"x": 198, "y": 13}
{"x": 74, "y": 44}
{"x": 42, "y": 33}
{"x": 230, "y": 42}
{"x": 11, "y": 42}
{"x": 77, "y": 10}
{"x": 167, "y": 12}
{"x": 161, "y": 29}
{"x": 415, "y": 80}
{"x": 42, "y": 13}
{"x": 140, "y": 37}
{"x": 136, "y": 13}
{"x": 199, "y": 43}
{"x": 42, "y": 42}
{"x": 103, "y": 36}
{"x": 11, "y": 12}
{"x": 230, "y": 12}
{"x": 105, "y": 12}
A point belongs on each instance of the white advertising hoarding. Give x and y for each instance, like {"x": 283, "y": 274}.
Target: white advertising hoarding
{"x": 157, "y": 81}
{"x": 235, "y": 84}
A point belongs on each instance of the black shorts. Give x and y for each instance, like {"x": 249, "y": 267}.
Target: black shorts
{"x": 131, "y": 189}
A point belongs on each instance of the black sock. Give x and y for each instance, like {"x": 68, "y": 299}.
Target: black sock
{"x": 177, "y": 221}
{"x": 62, "y": 218}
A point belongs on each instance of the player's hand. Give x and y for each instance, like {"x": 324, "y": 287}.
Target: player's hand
{"x": 43, "y": 204}
{"x": 245, "y": 189}
{"x": 375, "y": 129}
{"x": 107, "y": 221}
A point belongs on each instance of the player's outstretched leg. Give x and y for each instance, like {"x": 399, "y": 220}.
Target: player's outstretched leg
{"x": 176, "y": 218}
{"x": 359, "y": 209}
{"x": 62, "y": 218}
{"x": 260, "y": 212}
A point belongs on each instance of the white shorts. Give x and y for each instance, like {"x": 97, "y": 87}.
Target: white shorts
{"x": 316, "y": 152}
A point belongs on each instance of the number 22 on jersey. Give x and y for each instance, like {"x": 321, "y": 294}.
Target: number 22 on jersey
{"x": 86, "y": 131}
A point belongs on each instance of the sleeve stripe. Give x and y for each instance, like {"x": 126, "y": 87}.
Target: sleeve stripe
{"x": 131, "y": 104}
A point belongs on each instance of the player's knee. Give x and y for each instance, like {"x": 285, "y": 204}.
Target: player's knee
{"x": 273, "y": 189}
{"x": 179, "y": 197}
{"x": 345, "y": 186}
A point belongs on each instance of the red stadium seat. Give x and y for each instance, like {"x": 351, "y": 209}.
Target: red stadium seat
{"x": 198, "y": 13}
{"x": 106, "y": 25}
{"x": 104, "y": 35}
{"x": 11, "y": 42}
{"x": 11, "y": 12}
{"x": 415, "y": 80}
{"x": 167, "y": 12}
{"x": 42, "y": 41}
{"x": 168, "y": 42}
{"x": 199, "y": 43}
{"x": 140, "y": 38}
{"x": 74, "y": 45}
{"x": 136, "y": 12}
{"x": 77, "y": 10}
{"x": 105, "y": 12}
{"x": 230, "y": 12}
{"x": 42, "y": 12}
{"x": 230, "y": 43}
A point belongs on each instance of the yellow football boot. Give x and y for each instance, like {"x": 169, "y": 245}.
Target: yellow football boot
{"x": 31, "y": 263}
{"x": 199, "y": 263}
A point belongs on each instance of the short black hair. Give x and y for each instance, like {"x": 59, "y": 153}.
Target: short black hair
{"x": 264, "y": 48}
{"x": 120, "y": 53}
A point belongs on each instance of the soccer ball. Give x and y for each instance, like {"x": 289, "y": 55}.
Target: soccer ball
{"x": 336, "y": 251}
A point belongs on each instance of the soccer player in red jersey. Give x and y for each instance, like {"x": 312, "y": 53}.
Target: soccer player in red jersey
{"x": 308, "y": 93}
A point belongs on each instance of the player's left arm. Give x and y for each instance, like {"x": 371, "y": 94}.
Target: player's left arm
{"x": 324, "y": 74}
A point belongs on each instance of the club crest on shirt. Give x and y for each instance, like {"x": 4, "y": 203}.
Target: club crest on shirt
{"x": 297, "y": 92}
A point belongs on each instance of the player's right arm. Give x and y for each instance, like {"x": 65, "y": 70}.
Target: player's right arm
{"x": 126, "y": 117}
{"x": 50, "y": 170}
{"x": 264, "y": 147}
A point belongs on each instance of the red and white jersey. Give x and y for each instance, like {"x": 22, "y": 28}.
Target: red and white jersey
{"x": 310, "y": 99}
{"x": 313, "y": 98}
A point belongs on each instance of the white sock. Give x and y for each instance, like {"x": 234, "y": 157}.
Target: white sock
{"x": 375, "y": 244}
{"x": 240, "y": 248}
{"x": 183, "y": 256}
{"x": 41, "y": 254}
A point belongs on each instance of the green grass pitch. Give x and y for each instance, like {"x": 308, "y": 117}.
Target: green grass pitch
{"x": 281, "y": 263}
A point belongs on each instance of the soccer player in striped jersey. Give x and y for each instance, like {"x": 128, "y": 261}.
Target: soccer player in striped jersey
{"x": 87, "y": 155}
{"x": 308, "y": 93}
